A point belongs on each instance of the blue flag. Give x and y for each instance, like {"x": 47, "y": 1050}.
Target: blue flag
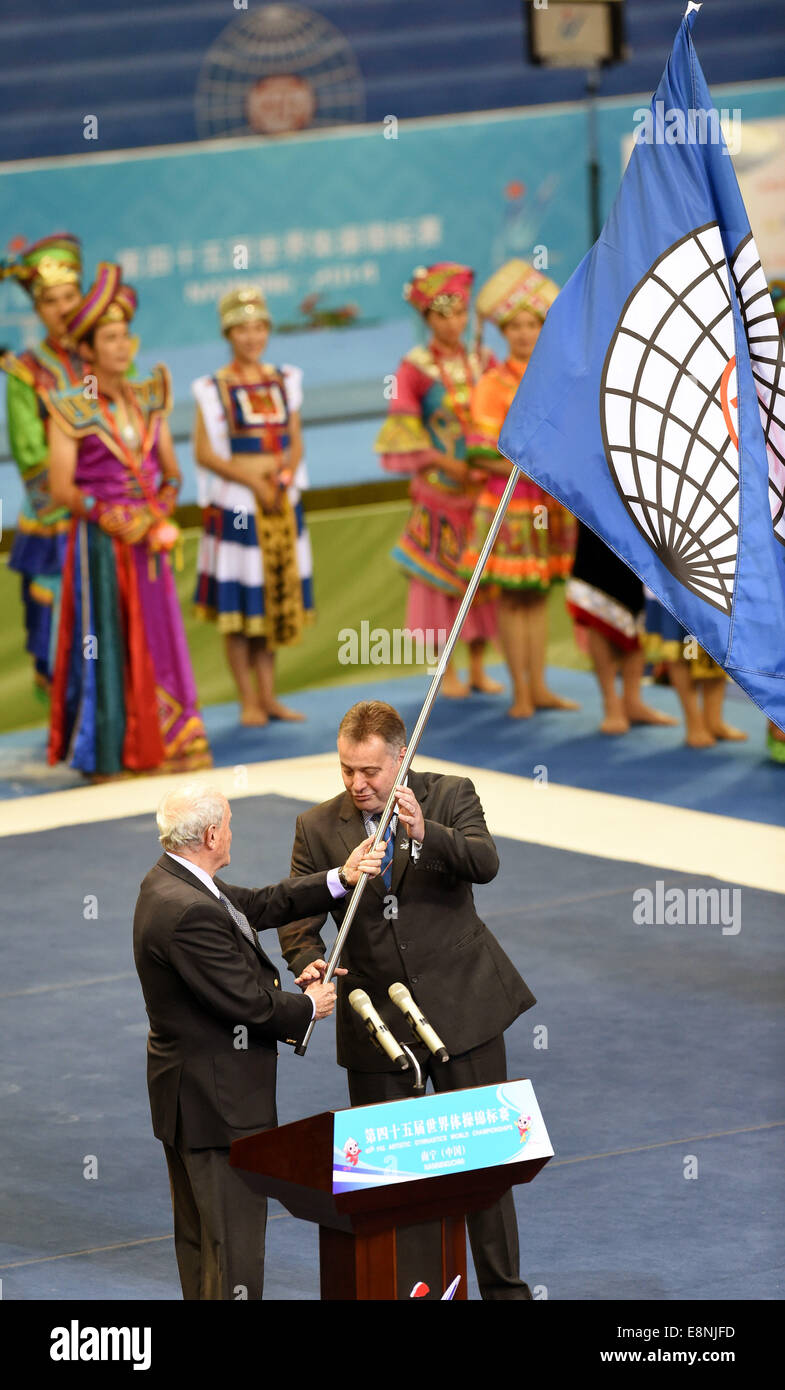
{"x": 653, "y": 406}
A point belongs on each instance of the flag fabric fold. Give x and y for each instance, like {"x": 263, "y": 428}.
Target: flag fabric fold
{"x": 654, "y": 403}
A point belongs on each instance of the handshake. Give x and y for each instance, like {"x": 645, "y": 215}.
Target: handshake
{"x": 362, "y": 860}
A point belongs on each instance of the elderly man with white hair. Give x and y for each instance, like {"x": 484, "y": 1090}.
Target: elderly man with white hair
{"x": 217, "y": 1011}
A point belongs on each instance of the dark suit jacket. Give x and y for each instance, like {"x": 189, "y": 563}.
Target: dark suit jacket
{"x": 202, "y": 980}
{"x": 458, "y": 973}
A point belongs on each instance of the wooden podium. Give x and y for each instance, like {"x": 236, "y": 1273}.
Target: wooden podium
{"x": 362, "y": 1240}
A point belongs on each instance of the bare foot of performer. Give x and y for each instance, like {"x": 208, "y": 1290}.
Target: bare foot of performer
{"x": 452, "y": 687}
{"x": 636, "y": 710}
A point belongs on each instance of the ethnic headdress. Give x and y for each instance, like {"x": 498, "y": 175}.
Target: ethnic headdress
{"x": 443, "y": 288}
{"x": 107, "y": 301}
{"x": 54, "y": 260}
{"x": 243, "y": 306}
{"x": 516, "y": 286}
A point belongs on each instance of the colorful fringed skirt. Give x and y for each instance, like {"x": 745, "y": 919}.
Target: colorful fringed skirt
{"x": 255, "y": 571}
{"x": 535, "y": 544}
{"x": 429, "y": 552}
{"x": 123, "y": 697}
{"x": 666, "y": 640}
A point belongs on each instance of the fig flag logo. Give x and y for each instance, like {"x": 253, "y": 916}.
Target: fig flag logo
{"x": 654, "y": 403}
{"x": 668, "y": 409}
{"x": 767, "y": 360}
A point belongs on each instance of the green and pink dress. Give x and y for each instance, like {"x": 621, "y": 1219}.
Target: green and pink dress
{"x": 42, "y": 529}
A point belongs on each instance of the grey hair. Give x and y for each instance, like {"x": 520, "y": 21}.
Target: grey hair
{"x": 184, "y": 815}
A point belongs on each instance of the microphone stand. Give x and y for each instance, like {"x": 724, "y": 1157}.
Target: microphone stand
{"x": 433, "y": 690}
{"x": 419, "y": 1084}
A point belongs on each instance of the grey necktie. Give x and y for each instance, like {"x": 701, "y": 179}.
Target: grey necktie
{"x": 240, "y": 919}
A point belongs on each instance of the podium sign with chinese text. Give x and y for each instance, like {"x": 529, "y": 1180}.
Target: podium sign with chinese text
{"x": 426, "y": 1136}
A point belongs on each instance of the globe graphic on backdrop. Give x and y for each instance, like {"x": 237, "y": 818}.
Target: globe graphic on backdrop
{"x": 278, "y": 69}
{"x": 767, "y": 360}
{"x": 668, "y": 413}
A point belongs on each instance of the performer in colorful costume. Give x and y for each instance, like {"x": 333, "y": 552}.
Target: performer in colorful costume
{"x": 123, "y": 697}
{"x": 49, "y": 270}
{"x": 255, "y": 566}
{"x": 425, "y": 435}
{"x": 696, "y": 677}
{"x": 605, "y": 601}
{"x": 537, "y": 537}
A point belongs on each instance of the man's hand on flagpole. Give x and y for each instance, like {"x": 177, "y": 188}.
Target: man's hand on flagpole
{"x": 409, "y": 813}
{"x": 314, "y": 972}
{"x": 364, "y": 860}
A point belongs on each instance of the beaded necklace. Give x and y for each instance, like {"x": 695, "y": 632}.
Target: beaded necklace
{"x": 145, "y": 431}
{"x": 462, "y": 411}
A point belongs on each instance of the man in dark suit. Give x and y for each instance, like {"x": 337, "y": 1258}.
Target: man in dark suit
{"x": 216, "y": 1012}
{"x": 416, "y": 924}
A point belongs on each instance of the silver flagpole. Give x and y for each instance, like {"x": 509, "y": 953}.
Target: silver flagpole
{"x": 433, "y": 690}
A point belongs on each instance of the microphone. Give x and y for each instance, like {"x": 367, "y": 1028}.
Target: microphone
{"x": 378, "y": 1029}
{"x": 418, "y": 1022}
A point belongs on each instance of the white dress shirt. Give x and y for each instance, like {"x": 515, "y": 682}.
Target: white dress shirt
{"x": 334, "y": 884}
{"x": 197, "y": 871}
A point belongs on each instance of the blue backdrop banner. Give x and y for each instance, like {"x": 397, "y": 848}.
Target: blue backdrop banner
{"x": 343, "y": 217}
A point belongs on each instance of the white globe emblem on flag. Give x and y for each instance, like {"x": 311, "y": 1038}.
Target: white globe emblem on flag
{"x": 669, "y": 417}
{"x": 767, "y": 355}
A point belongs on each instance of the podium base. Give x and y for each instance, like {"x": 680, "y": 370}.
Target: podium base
{"x": 387, "y": 1264}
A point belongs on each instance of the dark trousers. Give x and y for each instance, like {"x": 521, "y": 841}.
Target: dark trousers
{"x": 219, "y": 1225}
{"x": 493, "y": 1233}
